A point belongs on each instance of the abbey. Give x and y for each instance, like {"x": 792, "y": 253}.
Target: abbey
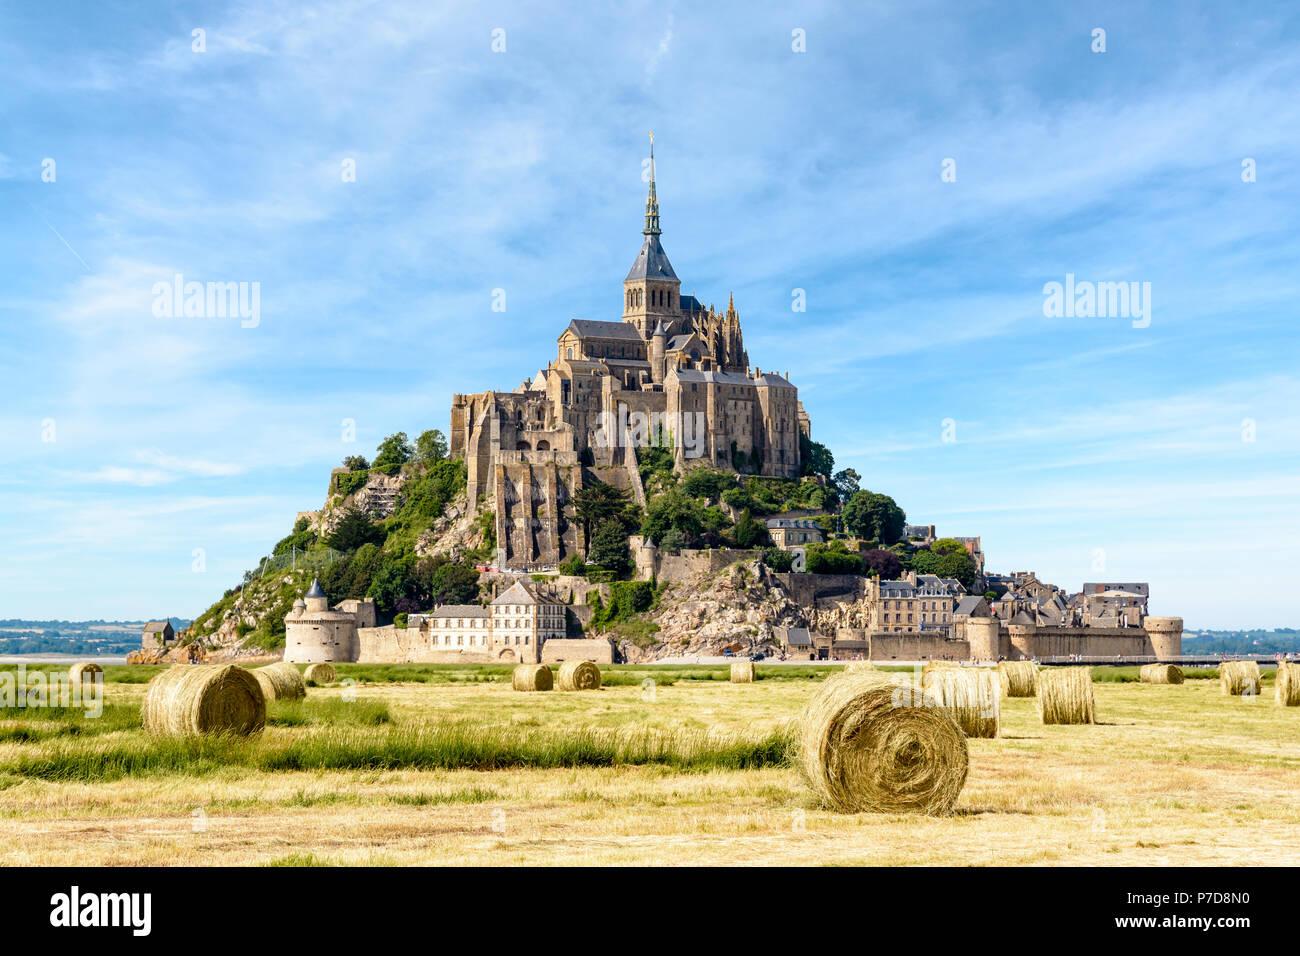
{"x": 668, "y": 359}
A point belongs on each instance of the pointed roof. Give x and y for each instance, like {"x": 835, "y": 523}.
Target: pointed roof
{"x": 660, "y": 329}
{"x": 651, "y": 262}
{"x": 651, "y": 199}
{"x": 316, "y": 590}
{"x": 517, "y": 593}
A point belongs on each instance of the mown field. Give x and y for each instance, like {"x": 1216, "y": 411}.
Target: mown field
{"x": 429, "y": 764}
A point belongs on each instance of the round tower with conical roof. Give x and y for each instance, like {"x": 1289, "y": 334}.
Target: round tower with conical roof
{"x": 313, "y": 633}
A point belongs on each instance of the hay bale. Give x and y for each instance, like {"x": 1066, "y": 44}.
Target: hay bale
{"x": 1065, "y": 695}
{"x": 865, "y": 742}
{"x": 856, "y": 667}
{"x": 1018, "y": 678}
{"x": 281, "y": 681}
{"x": 1160, "y": 674}
{"x": 1239, "y": 678}
{"x": 84, "y": 671}
{"x": 742, "y": 672}
{"x": 1287, "y": 689}
{"x": 970, "y": 694}
{"x": 579, "y": 675}
{"x": 204, "y": 699}
{"x": 532, "y": 677}
{"x": 319, "y": 674}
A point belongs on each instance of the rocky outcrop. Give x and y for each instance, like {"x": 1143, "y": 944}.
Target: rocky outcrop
{"x": 737, "y": 608}
{"x": 458, "y": 531}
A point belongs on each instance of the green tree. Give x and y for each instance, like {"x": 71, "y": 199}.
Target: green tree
{"x": 354, "y": 530}
{"x": 393, "y": 580}
{"x": 455, "y": 582}
{"x": 599, "y": 502}
{"x": 673, "y": 511}
{"x": 815, "y": 458}
{"x": 573, "y": 565}
{"x": 356, "y": 463}
{"x": 874, "y": 517}
{"x": 431, "y": 446}
{"x": 948, "y": 546}
{"x": 609, "y": 547}
{"x": 833, "y": 558}
{"x": 749, "y": 533}
{"x": 845, "y": 484}
{"x": 708, "y": 483}
{"x": 394, "y": 451}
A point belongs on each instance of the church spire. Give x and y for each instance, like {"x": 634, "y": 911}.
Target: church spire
{"x": 651, "y": 200}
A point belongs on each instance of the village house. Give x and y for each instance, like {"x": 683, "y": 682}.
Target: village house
{"x": 787, "y": 533}
{"x": 158, "y": 634}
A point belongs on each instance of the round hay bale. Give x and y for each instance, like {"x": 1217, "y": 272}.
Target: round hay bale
{"x": 1018, "y": 678}
{"x": 1239, "y": 678}
{"x": 579, "y": 675}
{"x": 532, "y": 677}
{"x": 855, "y": 667}
{"x": 280, "y": 681}
{"x": 970, "y": 694}
{"x": 84, "y": 671}
{"x": 321, "y": 673}
{"x": 1287, "y": 689}
{"x": 204, "y": 699}
{"x": 742, "y": 672}
{"x": 868, "y": 743}
{"x": 1160, "y": 674}
{"x": 1065, "y": 695}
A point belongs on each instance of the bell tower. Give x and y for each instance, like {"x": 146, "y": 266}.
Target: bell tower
{"x": 652, "y": 291}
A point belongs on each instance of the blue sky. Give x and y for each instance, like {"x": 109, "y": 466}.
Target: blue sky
{"x": 1085, "y": 448}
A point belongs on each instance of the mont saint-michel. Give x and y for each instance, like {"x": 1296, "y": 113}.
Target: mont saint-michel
{"x": 647, "y": 493}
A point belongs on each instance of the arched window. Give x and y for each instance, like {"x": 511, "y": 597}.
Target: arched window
{"x": 568, "y": 354}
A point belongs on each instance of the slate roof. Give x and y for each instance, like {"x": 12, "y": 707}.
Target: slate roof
{"x": 797, "y": 637}
{"x": 595, "y": 329}
{"x": 730, "y": 378}
{"x": 459, "y": 610}
{"x": 651, "y": 262}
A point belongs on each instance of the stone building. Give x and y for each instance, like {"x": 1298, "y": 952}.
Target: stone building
{"x": 314, "y": 633}
{"x": 157, "y": 634}
{"x": 670, "y": 371}
{"x": 787, "y": 533}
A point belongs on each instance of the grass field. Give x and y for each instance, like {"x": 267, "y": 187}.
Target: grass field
{"x": 446, "y": 764}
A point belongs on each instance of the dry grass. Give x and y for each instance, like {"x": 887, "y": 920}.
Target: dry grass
{"x": 528, "y": 677}
{"x": 1160, "y": 674}
{"x": 1240, "y": 678}
{"x": 1065, "y": 695}
{"x": 319, "y": 673}
{"x": 1018, "y": 678}
{"x": 1189, "y": 777}
{"x": 867, "y": 742}
{"x": 1287, "y": 691}
{"x": 579, "y": 675}
{"x": 203, "y": 699}
{"x": 281, "y": 681}
{"x": 969, "y": 694}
